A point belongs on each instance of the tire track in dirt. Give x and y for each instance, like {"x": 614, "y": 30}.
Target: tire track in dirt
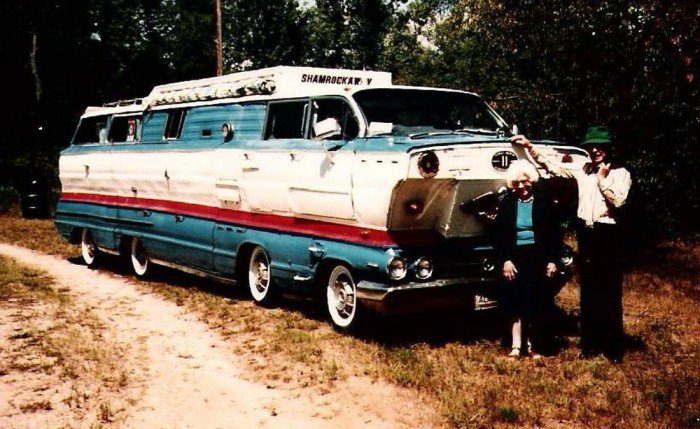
{"x": 190, "y": 378}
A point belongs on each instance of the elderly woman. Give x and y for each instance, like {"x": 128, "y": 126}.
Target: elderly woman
{"x": 527, "y": 241}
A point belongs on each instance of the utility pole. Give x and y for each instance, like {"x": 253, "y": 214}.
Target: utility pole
{"x": 219, "y": 56}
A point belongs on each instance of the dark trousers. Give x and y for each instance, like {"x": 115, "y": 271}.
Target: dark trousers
{"x": 525, "y": 297}
{"x": 601, "y": 261}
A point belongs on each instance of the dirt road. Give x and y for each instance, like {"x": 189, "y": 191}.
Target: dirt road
{"x": 184, "y": 375}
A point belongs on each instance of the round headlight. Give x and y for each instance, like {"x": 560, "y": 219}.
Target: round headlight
{"x": 428, "y": 164}
{"x": 423, "y": 268}
{"x": 396, "y": 268}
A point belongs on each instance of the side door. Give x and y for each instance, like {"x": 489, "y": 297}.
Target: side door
{"x": 320, "y": 170}
{"x": 264, "y": 163}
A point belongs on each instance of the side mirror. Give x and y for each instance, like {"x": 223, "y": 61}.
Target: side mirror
{"x": 377, "y": 128}
{"x": 326, "y": 128}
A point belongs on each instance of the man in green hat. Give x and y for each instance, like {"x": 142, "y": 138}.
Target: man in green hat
{"x": 602, "y": 190}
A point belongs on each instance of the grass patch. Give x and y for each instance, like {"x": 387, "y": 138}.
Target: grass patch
{"x": 33, "y": 407}
{"x": 35, "y": 234}
{"x": 457, "y": 362}
{"x": 56, "y": 343}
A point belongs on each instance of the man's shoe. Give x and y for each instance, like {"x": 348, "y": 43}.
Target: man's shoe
{"x": 514, "y": 353}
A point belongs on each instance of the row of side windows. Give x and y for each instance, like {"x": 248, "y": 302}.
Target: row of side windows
{"x": 285, "y": 120}
{"x": 124, "y": 129}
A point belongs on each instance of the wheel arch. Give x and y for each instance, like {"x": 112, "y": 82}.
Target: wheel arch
{"x": 323, "y": 269}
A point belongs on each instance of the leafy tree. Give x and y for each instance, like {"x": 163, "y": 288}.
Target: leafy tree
{"x": 348, "y": 33}
{"x": 262, "y": 33}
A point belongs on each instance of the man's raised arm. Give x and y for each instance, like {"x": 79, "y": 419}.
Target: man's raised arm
{"x": 551, "y": 166}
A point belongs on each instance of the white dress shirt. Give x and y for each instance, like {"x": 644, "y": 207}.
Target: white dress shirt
{"x": 592, "y": 204}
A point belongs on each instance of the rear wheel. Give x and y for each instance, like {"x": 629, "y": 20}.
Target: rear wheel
{"x": 260, "y": 277}
{"x": 140, "y": 261}
{"x": 88, "y": 249}
{"x": 341, "y": 299}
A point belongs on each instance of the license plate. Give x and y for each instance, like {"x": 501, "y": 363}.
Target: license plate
{"x": 483, "y": 302}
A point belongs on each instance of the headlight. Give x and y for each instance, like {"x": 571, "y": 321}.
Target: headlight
{"x": 396, "y": 268}
{"x": 428, "y": 164}
{"x": 488, "y": 265}
{"x": 567, "y": 256}
{"x": 423, "y": 268}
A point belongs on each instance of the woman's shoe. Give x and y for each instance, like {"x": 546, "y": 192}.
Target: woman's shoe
{"x": 533, "y": 354}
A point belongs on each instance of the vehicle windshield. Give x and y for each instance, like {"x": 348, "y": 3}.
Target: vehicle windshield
{"x": 413, "y": 112}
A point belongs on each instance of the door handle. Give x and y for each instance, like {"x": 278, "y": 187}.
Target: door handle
{"x": 179, "y": 218}
{"x": 146, "y": 213}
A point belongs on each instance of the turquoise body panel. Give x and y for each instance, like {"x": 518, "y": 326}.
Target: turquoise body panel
{"x": 213, "y": 247}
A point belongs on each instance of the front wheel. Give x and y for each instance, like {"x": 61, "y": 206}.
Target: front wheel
{"x": 140, "y": 261}
{"x": 341, "y": 299}
{"x": 260, "y": 277}
{"x": 88, "y": 249}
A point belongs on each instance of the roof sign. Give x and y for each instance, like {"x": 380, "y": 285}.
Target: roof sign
{"x": 283, "y": 81}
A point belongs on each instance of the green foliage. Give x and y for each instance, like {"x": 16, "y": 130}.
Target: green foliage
{"x": 348, "y": 33}
{"x": 262, "y": 33}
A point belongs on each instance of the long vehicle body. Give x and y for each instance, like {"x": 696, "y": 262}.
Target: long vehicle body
{"x": 390, "y": 211}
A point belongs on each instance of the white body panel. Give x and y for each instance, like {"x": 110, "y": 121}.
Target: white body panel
{"x": 367, "y": 189}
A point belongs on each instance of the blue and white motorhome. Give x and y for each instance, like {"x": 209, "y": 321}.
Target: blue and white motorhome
{"x": 296, "y": 179}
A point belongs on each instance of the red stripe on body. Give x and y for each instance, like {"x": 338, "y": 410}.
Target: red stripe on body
{"x": 315, "y": 228}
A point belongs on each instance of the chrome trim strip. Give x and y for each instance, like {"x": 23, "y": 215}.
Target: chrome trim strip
{"x": 372, "y": 291}
{"x": 194, "y": 271}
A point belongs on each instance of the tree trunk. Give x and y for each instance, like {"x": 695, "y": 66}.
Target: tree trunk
{"x": 35, "y": 69}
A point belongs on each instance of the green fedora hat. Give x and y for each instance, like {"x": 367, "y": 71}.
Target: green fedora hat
{"x": 597, "y": 134}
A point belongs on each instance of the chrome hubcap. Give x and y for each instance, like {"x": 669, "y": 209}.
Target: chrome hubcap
{"x": 344, "y": 297}
{"x": 261, "y": 275}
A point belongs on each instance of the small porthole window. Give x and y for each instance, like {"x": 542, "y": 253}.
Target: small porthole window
{"x": 227, "y": 132}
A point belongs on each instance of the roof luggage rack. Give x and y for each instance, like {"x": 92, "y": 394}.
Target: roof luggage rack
{"x": 131, "y": 102}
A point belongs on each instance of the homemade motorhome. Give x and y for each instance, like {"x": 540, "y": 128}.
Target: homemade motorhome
{"x": 329, "y": 183}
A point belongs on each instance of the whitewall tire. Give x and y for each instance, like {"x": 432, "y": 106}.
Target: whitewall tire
{"x": 140, "y": 261}
{"x": 341, "y": 299}
{"x": 260, "y": 277}
{"x": 88, "y": 249}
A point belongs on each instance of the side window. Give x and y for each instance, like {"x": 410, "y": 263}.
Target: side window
{"x": 286, "y": 120}
{"x": 125, "y": 129}
{"x": 341, "y": 111}
{"x": 173, "y": 126}
{"x": 91, "y": 130}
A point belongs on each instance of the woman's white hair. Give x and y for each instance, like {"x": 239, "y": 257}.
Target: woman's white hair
{"x": 519, "y": 169}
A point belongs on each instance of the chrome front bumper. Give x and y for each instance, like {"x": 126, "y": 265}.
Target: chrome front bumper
{"x": 421, "y": 296}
